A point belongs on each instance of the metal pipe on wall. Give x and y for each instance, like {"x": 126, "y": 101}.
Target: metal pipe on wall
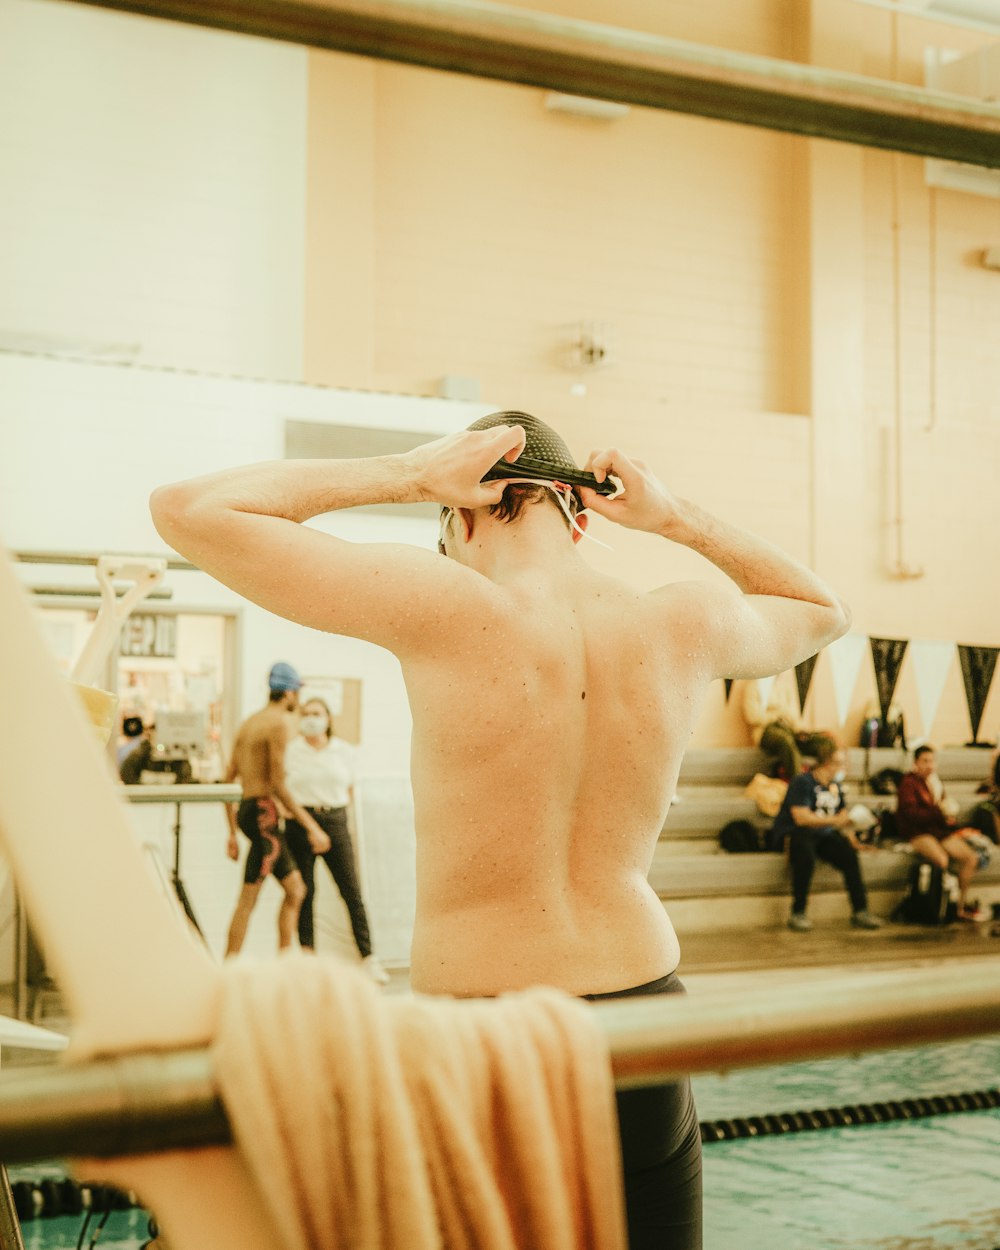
{"x": 606, "y": 62}
{"x": 86, "y": 558}
{"x": 153, "y": 1101}
{"x": 899, "y": 566}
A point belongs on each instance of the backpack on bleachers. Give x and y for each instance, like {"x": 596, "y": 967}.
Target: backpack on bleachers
{"x": 885, "y": 781}
{"x": 888, "y": 828}
{"x": 877, "y": 731}
{"x": 931, "y": 897}
{"x": 740, "y": 837}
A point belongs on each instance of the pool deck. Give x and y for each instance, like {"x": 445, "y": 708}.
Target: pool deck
{"x": 740, "y": 957}
{"x": 835, "y": 944}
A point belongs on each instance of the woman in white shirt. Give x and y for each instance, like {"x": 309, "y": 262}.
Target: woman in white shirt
{"x": 319, "y": 773}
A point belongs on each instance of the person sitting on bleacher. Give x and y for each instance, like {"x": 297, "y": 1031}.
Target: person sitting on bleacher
{"x": 776, "y": 725}
{"x": 815, "y": 824}
{"x": 922, "y": 821}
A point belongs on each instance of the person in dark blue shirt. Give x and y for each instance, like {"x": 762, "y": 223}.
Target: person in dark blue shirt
{"x": 814, "y": 823}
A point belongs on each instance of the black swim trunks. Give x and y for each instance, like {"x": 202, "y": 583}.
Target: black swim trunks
{"x": 259, "y": 820}
{"x": 661, "y": 1153}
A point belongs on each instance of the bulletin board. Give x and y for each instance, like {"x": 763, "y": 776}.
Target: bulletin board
{"x": 343, "y": 697}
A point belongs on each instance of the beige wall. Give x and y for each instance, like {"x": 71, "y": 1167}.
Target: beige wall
{"x": 785, "y": 317}
{"x": 142, "y": 221}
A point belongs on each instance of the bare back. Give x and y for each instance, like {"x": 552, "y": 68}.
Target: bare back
{"x": 546, "y": 748}
{"x": 253, "y": 754}
{"x": 551, "y": 705}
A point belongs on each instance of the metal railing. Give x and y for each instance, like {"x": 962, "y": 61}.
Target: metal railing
{"x": 606, "y": 62}
{"x": 138, "y": 1102}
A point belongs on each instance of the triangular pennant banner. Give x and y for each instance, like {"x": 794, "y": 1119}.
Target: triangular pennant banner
{"x": 978, "y": 665}
{"x": 931, "y": 662}
{"x": 803, "y": 679}
{"x": 845, "y": 656}
{"x": 728, "y": 683}
{"x": 887, "y": 657}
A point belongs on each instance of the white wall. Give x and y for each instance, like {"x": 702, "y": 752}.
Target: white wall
{"x": 81, "y": 447}
{"x": 153, "y": 188}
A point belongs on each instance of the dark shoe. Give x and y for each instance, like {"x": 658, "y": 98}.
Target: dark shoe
{"x": 865, "y": 920}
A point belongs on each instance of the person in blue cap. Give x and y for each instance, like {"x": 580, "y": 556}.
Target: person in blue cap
{"x": 551, "y": 704}
{"x": 258, "y": 763}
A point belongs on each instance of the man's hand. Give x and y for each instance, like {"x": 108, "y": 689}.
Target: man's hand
{"x": 643, "y": 504}
{"x": 232, "y": 847}
{"x": 448, "y": 470}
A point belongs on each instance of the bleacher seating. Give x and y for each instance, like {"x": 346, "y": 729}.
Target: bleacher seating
{"x": 704, "y": 888}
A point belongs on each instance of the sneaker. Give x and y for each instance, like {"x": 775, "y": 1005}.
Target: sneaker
{"x": 799, "y": 922}
{"x": 373, "y": 966}
{"x": 865, "y": 920}
{"x": 973, "y": 915}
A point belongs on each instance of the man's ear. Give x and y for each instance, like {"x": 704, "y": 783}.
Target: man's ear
{"x": 582, "y": 520}
{"x": 466, "y": 516}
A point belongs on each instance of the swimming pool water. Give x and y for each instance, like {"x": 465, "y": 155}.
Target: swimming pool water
{"x": 872, "y": 1077}
{"x": 925, "y": 1184}
{"x": 125, "y": 1230}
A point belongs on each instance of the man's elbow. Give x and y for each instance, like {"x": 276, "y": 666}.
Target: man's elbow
{"x": 172, "y": 510}
{"x": 838, "y": 621}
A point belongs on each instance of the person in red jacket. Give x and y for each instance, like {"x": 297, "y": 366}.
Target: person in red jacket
{"x": 930, "y": 832}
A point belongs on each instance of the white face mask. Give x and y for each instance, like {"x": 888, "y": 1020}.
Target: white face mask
{"x": 312, "y": 726}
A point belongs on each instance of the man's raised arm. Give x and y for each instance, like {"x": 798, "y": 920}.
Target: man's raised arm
{"x": 784, "y": 613}
{"x": 244, "y": 527}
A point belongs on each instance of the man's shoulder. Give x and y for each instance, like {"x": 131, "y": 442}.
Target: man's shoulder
{"x": 700, "y": 595}
{"x": 260, "y": 725}
{"x": 684, "y": 611}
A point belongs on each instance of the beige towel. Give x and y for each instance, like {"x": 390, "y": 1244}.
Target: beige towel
{"x": 381, "y": 1123}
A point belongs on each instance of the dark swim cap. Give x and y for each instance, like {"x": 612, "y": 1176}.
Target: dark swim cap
{"x": 545, "y": 456}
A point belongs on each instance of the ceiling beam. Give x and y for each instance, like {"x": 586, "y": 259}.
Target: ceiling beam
{"x": 586, "y": 58}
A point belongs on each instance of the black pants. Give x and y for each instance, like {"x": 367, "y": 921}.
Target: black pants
{"x": 808, "y": 845}
{"x": 661, "y": 1153}
{"x": 340, "y": 860}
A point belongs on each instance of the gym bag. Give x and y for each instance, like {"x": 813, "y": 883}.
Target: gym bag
{"x": 932, "y": 896}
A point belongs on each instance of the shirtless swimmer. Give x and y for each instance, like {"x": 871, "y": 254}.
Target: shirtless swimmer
{"x": 258, "y": 762}
{"x": 551, "y": 707}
